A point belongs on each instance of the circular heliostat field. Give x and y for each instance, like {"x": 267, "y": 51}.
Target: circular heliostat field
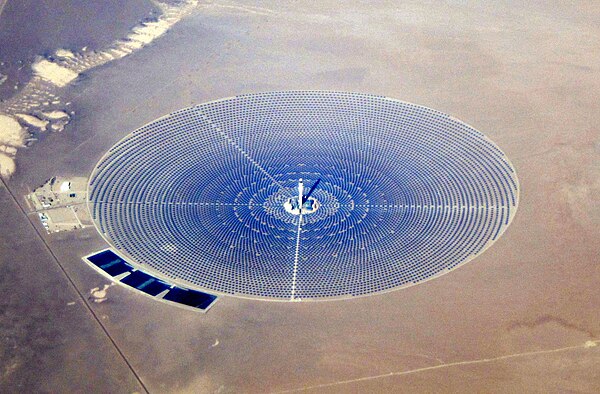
{"x": 303, "y": 195}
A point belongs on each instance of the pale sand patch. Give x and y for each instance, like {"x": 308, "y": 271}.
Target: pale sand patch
{"x": 9, "y": 150}
{"x": 58, "y": 75}
{"x": 99, "y": 295}
{"x": 12, "y": 136}
{"x": 121, "y": 52}
{"x": 57, "y": 127}
{"x": 55, "y": 115}
{"x": 7, "y": 165}
{"x": 147, "y": 32}
{"x": 64, "y": 53}
{"x": 11, "y": 132}
{"x": 132, "y": 44}
{"x": 34, "y": 121}
{"x": 589, "y": 344}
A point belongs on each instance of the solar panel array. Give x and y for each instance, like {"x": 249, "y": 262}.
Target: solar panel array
{"x": 113, "y": 266}
{"x": 406, "y": 193}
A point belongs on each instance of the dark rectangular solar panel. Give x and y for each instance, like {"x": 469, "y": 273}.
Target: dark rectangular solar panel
{"x": 110, "y": 263}
{"x": 101, "y": 257}
{"x": 146, "y": 283}
{"x": 195, "y": 299}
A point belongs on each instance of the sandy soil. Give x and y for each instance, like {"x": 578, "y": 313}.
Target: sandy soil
{"x": 42, "y": 92}
{"x": 12, "y": 137}
{"x": 59, "y": 76}
{"x": 11, "y": 132}
{"x": 522, "y": 317}
{"x": 33, "y": 121}
{"x": 31, "y": 28}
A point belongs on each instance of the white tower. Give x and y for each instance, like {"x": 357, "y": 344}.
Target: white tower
{"x": 300, "y": 194}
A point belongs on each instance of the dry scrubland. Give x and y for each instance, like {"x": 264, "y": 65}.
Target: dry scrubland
{"x": 522, "y": 317}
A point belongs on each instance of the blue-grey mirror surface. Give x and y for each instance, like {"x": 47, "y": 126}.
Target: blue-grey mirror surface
{"x": 208, "y": 195}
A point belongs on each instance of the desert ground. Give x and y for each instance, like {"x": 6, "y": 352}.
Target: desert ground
{"x": 522, "y": 317}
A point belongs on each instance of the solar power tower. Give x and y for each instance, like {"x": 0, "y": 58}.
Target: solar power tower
{"x": 303, "y": 195}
